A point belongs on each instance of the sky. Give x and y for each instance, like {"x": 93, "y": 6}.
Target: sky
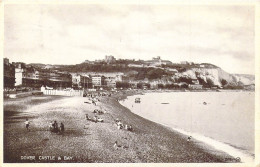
{"x": 70, "y": 34}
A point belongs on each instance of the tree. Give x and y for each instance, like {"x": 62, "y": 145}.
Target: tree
{"x": 160, "y": 86}
{"x": 184, "y": 79}
{"x": 122, "y": 85}
{"x": 210, "y": 82}
{"x": 155, "y": 73}
{"x": 224, "y": 82}
{"x": 139, "y": 85}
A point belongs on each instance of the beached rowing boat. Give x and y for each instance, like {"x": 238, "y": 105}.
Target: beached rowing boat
{"x": 137, "y": 100}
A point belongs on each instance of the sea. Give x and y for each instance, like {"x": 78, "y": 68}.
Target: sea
{"x": 223, "y": 120}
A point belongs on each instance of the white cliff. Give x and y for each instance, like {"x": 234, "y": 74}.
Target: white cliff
{"x": 217, "y": 76}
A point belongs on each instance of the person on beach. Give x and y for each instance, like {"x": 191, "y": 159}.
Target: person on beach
{"x": 27, "y": 124}
{"x": 95, "y": 119}
{"x": 50, "y": 126}
{"x": 130, "y": 128}
{"x": 116, "y": 146}
{"x": 87, "y": 117}
{"x": 55, "y": 127}
{"x": 100, "y": 120}
{"x": 62, "y": 127}
{"x": 126, "y": 127}
{"x": 119, "y": 125}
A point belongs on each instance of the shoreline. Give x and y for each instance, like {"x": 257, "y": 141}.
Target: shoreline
{"x": 149, "y": 141}
{"x": 207, "y": 141}
{"x": 201, "y": 145}
{"x": 125, "y": 93}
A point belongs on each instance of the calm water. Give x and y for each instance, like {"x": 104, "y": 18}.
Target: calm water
{"x": 227, "y": 117}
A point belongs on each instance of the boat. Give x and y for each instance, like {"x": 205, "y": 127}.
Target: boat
{"x": 137, "y": 100}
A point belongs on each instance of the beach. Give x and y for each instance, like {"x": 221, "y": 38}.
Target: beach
{"x": 87, "y": 141}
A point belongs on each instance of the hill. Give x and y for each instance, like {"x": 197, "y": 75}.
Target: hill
{"x": 206, "y": 74}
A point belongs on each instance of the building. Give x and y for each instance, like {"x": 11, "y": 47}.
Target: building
{"x": 121, "y": 78}
{"x": 27, "y": 76}
{"x": 85, "y": 82}
{"x": 6, "y": 61}
{"x": 110, "y": 82}
{"x": 105, "y": 74}
{"x": 31, "y": 78}
{"x": 172, "y": 71}
{"x": 187, "y": 63}
{"x": 59, "y": 80}
{"x": 157, "y": 61}
{"x": 81, "y": 81}
{"x": 98, "y": 81}
{"x": 195, "y": 81}
{"x": 195, "y": 86}
{"x": 110, "y": 59}
{"x": 133, "y": 84}
{"x": 136, "y": 65}
{"x": 88, "y": 62}
{"x": 9, "y": 74}
{"x": 18, "y": 74}
{"x": 154, "y": 84}
{"x": 75, "y": 80}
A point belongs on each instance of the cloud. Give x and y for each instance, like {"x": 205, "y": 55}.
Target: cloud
{"x": 56, "y": 33}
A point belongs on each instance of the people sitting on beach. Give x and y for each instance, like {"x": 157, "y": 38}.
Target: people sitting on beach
{"x": 125, "y": 147}
{"x": 87, "y": 117}
{"x": 55, "y": 127}
{"x": 120, "y": 125}
{"x": 98, "y": 111}
{"x": 116, "y": 146}
{"x": 189, "y": 138}
{"x": 128, "y": 127}
{"x": 27, "y": 124}
{"x": 100, "y": 120}
{"x": 95, "y": 119}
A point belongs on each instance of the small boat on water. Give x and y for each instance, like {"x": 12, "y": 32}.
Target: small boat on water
{"x": 137, "y": 100}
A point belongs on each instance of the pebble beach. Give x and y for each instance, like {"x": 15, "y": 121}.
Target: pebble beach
{"x": 94, "y": 142}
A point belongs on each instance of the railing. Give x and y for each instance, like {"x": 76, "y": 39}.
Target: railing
{"x": 63, "y": 92}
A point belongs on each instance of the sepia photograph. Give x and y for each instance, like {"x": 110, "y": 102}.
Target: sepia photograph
{"x": 129, "y": 83}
